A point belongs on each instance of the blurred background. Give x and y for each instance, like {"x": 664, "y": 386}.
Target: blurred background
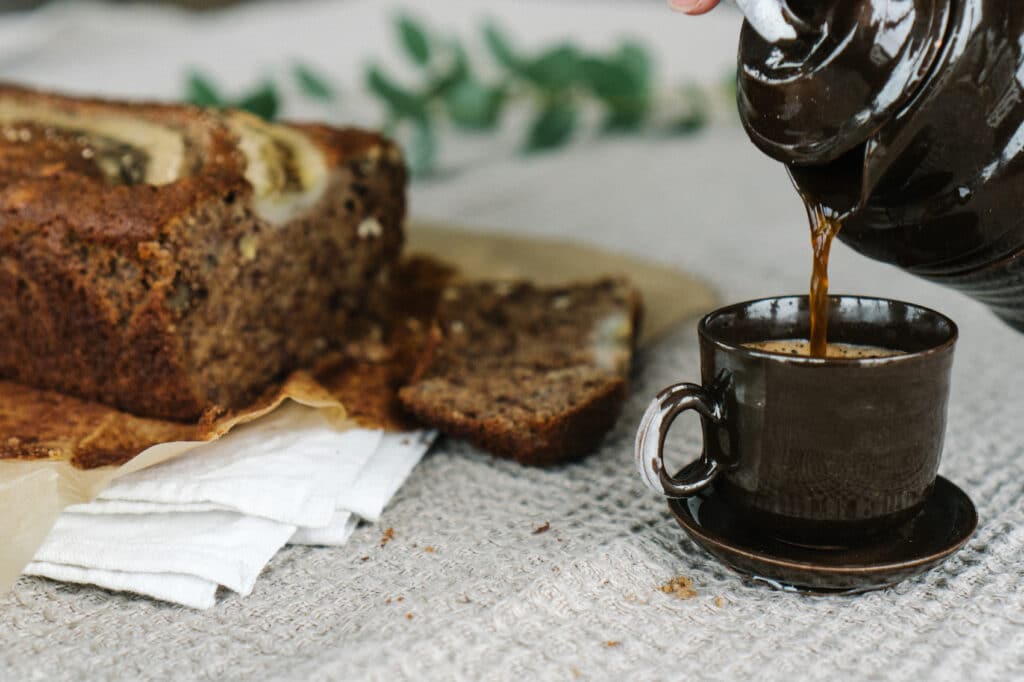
{"x": 609, "y": 121}
{"x": 556, "y": 71}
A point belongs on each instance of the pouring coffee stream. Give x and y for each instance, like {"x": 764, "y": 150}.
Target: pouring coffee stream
{"x": 903, "y": 120}
{"x": 823, "y": 230}
{"x": 828, "y": 206}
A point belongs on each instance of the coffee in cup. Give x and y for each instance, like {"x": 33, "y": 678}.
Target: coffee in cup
{"x": 802, "y": 347}
{"x": 817, "y": 451}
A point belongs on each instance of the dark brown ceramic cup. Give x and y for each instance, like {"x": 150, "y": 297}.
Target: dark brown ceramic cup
{"x": 816, "y": 451}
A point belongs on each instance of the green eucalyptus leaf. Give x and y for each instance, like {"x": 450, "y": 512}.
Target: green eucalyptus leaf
{"x": 200, "y": 91}
{"x": 460, "y": 63}
{"x": 264, "y": 101}
{"x": 553, "y": 127}
{"x": 627, "y": 114}
{"x": 697, "y": 112}
{"x": 312, "y": 84}
{"x": 625, "y": 120}
{"x": 414, "y": 39}
{"x": 634, "y": 57}
{"x": 556, "y": 69}
{"x": 473, "y": 105}
{"x": 422, "y": 148}
{"x": 403, "y": 103}
{"x": 501, "y": 48}
{"x": 623, "y": 91}
{"x": 608, "y": 80}
{"x": 458, "y": 72}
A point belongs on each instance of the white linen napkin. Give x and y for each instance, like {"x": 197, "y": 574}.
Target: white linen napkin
{"x": 146, "y": 551}
{"x": 308, "y": 460}
{"x": 176, "y": 588}
{"x": 375, "y": 485}
{"x": 217, "y": 515}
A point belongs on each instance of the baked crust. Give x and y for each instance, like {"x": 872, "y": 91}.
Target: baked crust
{"x": 174, "y": 261}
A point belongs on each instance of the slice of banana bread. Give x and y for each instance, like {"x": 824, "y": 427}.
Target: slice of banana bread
{"x": 535, "y": 374}
{"x": 173, "y": 261}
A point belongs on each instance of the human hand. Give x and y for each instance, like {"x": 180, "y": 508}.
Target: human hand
{"x": 692, "y": 6}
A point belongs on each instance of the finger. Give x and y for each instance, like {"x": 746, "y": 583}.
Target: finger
{"x": 692, "y": 6}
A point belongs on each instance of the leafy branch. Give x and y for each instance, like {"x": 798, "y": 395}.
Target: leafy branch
{"x": 556, "y": 85}
{"x": 263, "y": 100}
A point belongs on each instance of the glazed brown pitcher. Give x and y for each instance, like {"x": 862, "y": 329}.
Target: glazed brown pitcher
{"x": 909, "y": 115}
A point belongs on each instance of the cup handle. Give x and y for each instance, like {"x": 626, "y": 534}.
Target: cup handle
{"x": 650, "y": 441}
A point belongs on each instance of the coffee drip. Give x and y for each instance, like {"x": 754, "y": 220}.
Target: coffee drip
{"x": 830, "y": 197}
{"x": 823, "y": 230}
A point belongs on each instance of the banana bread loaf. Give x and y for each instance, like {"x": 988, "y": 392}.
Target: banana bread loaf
{"x": 169, "y": 260}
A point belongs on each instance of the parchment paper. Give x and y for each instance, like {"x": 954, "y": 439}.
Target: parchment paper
{"x": 58, "y": 435}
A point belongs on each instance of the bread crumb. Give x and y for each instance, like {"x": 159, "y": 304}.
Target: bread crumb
{"x": 576, "y": 673}
{"x": 388, "y": 536}
{"x": 400, "y": 599}
{"x": 408, "y": 616}
{"x": 388, "y": 600}
{"x": 542, "y": 529}
{"x": 364, "y": 558}
{"x": 429, "y": 549}
{"x": 611, "y": 642}
{"x": 719, "y": 602}
{"x": 680, "y": 587}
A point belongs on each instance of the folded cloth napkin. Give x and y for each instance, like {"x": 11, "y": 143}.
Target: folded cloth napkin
{"x": 377, "y": 483}
{"x": 174, "y": 557}
{"x": 307, "y": 459}
{"x": 217, "y": 515}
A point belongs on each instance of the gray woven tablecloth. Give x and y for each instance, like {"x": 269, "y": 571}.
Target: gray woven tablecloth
{"x": 494, "y": 600}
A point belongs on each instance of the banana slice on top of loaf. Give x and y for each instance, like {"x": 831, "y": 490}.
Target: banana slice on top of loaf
{"x": 175, "y": 262}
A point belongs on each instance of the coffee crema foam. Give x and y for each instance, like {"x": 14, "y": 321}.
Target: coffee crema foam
{"x": 833, "y": 350}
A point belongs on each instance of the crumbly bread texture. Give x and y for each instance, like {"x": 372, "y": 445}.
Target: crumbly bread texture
{"x": 362, "y": 377}
{"x": 535, "y": 374}
{"x": 174, "y": 262}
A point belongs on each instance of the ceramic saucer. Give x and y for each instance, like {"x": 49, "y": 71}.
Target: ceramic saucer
{"x": 941, "y": 528}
